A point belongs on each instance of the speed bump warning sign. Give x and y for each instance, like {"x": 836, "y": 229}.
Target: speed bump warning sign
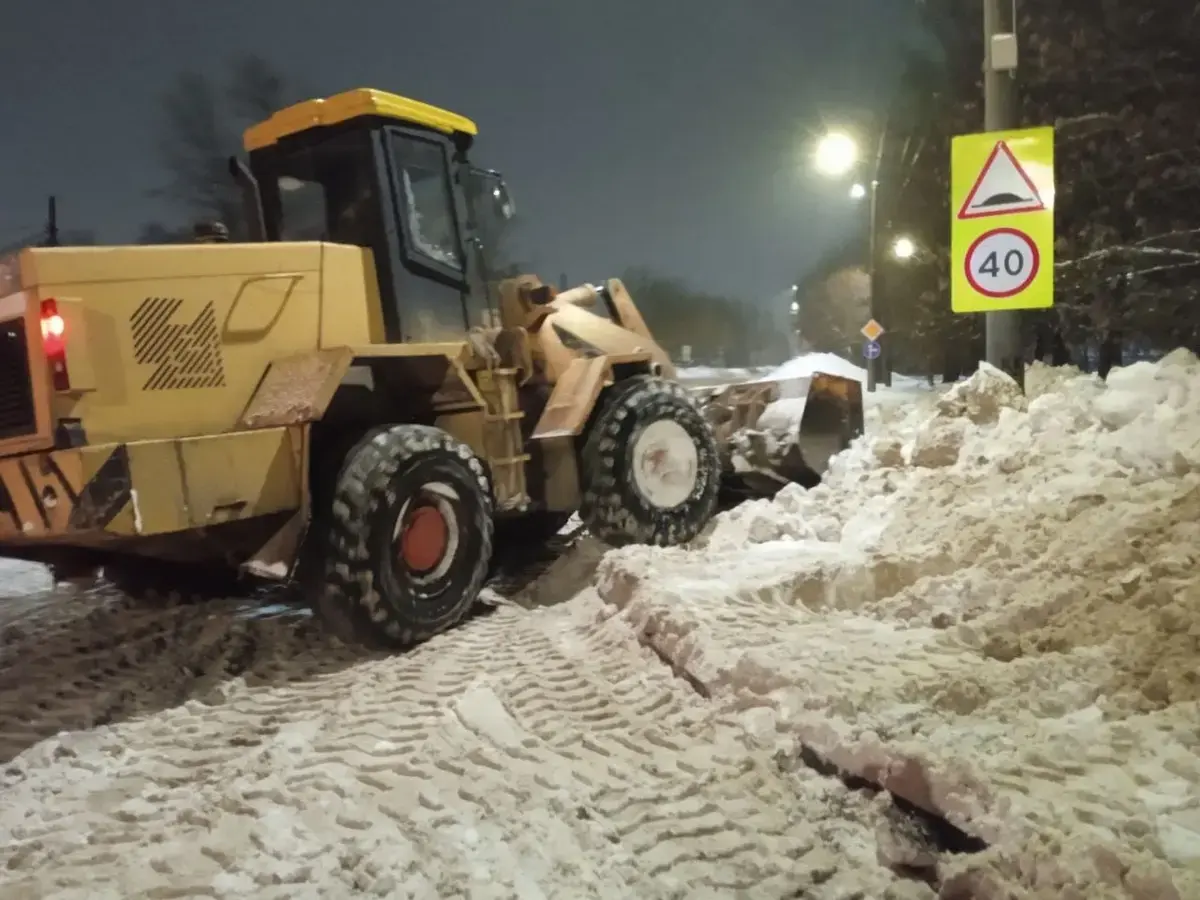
{"x": 1002, "y": 233}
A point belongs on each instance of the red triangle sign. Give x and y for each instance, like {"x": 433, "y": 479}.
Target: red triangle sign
{"x": 1002, "y": 188}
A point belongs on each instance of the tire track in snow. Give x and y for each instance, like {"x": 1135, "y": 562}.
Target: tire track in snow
{"x": 82, "y": 656}
{"x": 522, "y": 750}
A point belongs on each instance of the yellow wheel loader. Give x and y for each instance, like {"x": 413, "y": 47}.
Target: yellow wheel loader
{"x": 340, "y": 401}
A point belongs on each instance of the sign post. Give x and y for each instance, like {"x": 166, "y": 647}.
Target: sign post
{"x": 1002, "y": 234}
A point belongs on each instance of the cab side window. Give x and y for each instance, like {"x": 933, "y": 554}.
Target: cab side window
{"x": 426, "y": 200}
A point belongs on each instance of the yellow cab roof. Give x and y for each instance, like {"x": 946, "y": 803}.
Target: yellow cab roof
{"x": 351, "y": 105}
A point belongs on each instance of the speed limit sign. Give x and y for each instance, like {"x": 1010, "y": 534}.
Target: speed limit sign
{"x": 1002, "y": 262}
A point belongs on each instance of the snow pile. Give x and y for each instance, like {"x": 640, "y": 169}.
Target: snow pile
{"x": 23, "y": 578}
{"x": 811, "y": 363}
{"x": 990, "y": 607}
{"x": 714, "y": 375}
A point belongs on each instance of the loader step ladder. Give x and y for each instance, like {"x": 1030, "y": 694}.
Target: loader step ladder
{"x": 503, "y": 443}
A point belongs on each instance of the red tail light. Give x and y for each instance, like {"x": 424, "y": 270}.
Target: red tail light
{"x": 54, "y": 342}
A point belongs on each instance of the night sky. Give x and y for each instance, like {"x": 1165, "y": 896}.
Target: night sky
{"x": 668, "y": 133}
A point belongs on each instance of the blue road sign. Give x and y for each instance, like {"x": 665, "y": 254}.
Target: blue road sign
{"x": 871, "y": 350}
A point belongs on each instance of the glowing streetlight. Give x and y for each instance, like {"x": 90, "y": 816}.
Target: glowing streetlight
{"x": 903, "y": 248}
{"x": 836, "y": 154}
{"x": 857, "y": 191}
{"x": 795, "y": 306}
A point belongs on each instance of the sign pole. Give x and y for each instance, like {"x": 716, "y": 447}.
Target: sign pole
{"x": 1003, "y": 328}
{"x": 872, "y": 311}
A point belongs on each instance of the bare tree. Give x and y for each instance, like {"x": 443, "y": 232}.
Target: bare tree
{"x": 202, "y": 119}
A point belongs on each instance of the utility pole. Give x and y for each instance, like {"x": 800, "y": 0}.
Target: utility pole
{"x": 1002, "y": 329}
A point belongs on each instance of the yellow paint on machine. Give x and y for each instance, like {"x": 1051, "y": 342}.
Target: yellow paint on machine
{"x": 202, "y": 481}
{"x": 1002, "y": 221}
{"x": 192, "y": 328}
{"x": 351, "y": 105}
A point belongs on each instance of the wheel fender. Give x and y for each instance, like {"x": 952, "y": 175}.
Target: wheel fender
{"x": 296, "y": 388}
{"x": 573, "y": 398}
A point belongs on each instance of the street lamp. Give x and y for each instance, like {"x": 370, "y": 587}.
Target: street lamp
{"x": 836, "y": 154}
{"x": 903, "y": 248}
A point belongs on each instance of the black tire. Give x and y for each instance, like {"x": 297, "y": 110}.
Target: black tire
{"x": 372, "y": 592}
{"x": 615, "y": 507}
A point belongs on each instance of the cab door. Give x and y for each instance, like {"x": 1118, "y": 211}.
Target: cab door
{"x": 429, "y": 228}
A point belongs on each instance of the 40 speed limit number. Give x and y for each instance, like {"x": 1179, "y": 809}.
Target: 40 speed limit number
{"x": 1002, "y": 262}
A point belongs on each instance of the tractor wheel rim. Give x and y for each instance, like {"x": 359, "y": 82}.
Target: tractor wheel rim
{"x": 666, "y": 463}
{"x": 427, "y": 534}
{"x": 424, "y": 538}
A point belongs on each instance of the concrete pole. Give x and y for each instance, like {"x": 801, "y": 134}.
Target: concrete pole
{"x": 1002, "y": 329}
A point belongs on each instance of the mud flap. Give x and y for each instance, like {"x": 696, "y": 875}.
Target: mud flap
{"x": 277, "y": 558}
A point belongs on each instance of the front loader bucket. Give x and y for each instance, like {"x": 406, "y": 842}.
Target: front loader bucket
{"x": 772, "y": 433}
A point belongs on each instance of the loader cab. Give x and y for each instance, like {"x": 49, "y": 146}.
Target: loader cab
{"x": 391, "y": 175}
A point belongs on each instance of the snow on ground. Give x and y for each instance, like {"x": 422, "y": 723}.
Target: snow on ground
{"x": 19, "y": 579}
{"x": 531, "y": 753}
{"x": 991, "y": 607}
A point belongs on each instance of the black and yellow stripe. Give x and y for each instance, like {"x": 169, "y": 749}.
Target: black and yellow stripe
{"x": 64, "y": 491}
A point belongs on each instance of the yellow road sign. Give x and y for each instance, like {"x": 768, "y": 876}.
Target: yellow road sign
{"x": 1002, "y": 230}
{"x": 871, "y": 331}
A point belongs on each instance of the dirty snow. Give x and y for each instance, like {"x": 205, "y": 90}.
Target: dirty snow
{"x": 534, "y": 753}
{"x": 991, "y": 608}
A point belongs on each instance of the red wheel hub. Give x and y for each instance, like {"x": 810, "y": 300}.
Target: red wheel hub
{"x": 424, "y": 538}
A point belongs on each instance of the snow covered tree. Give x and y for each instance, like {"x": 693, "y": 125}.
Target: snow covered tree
{"x": 1117, "y": 81}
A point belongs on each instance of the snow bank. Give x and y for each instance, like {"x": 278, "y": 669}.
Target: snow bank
{"x": 831, "y": 364}
{"x": 712, "y": 375}
{"x": 811, "y": 363}
{"x": 991, "y": 607}
{"x": 22, "y": 578}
